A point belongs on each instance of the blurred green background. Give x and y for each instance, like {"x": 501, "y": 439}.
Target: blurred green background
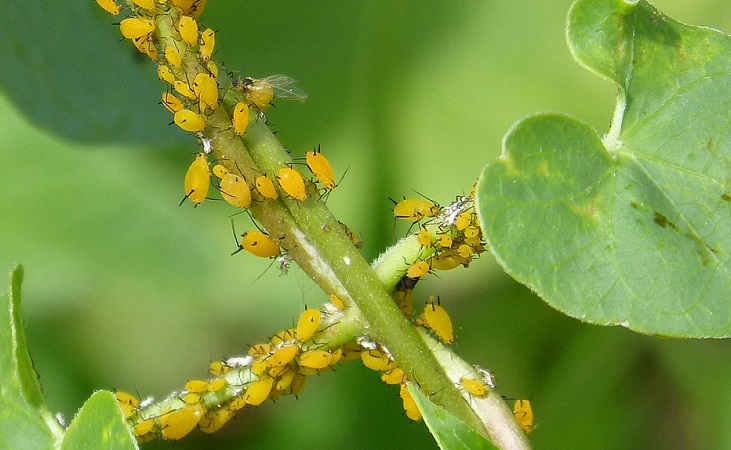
{"x": 124, "y": 289}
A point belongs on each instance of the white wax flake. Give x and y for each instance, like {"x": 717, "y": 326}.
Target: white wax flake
{"x": 346, "y": 260}
{"x": 240, "y": 361}
{"x": 205, "y": 142}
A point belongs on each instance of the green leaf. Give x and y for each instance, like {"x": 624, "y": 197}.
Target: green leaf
{"x": 632, "y": 229}
{"x": 25, "y": 422}
{"x": 99, "y": 424}
{"x": 66, "y": 69}
{"x": 448, "y": 431}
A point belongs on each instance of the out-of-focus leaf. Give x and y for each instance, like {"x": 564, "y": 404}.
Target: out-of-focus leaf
{"x": 66, "y": 69}
{"x": 25, "y": 422}
{"x": 99, "y": 424}
{"x": 633, "y": 229}
{"x": 449, "y": 432}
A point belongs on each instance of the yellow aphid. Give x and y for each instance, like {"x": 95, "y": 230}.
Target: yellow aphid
{"x": 191, "y": 398}
{"x": 212, "y": 68}
{"x": 240, "y": 118}
{"x": 197, "y": 179}
{"x": 415, "y": 209}
{"x": 259, "y": 350}
{"x": 524, "y": 415}
{"x": 165, "y": 74}
{"x": 127, "y": 403}
{"x": 377, "y": 360}
{"x": 337, "y": 302}
{"x": 283, "y": 355}
{"x": 146, "y": 46}
{"x": 188, "y": 28}
{"x": 298, "y": 383}
{"x": 132, "y": 28}
{"x": 197, "y": 9}
{"x": 215, "y": 420}
{"x": 463, "y": 221}
{"x": 110, "y": 6}
{"x": 236, "y": 404}
{"x": 145, "y": 4}
{"x": 196, "y": 386}
{"x": 207, "y": 43}
{"x": 448, "y": 261}
{"x": 261, "y": 92}
{"x": 410, "y": 407}
{"x": 220, "y": 171}
{"x": 471, "y": 231}
{"x": 465, "y": 251}
{"x": 321, "y": 168}
{"x": 438, "y": 321}
{"x": 265, "y": 186}
{"x": 474, "y": 387}
{"x": 185, "y": 5}
{"x": 205, "y": 89}
{"x": 176, "y": 424}
{"x": 189, "y": 121}
{"x": 423, "y": 237}
{"x": 184, "y": 89}
{"x": 259, "y": 244}
{"x": 307, "y": 324}
{"x": 418, "y": 269}
{"x": 315, "y": 359}
{"x": 172, "y": 55}
{"x": 144, "y": 427}
{"x": 216, "y": 385}
{"x": 445, "y": 241}
{"x": 292, "y": 182}
{"x": 275, "y": 372}
{"x": 285, "y": 380}
{"x": 218, "y": 368}
{"x": 394, "y": 376}
{"x": 258, "y": 391}
{"x": 259, "y": 367}
{"x": 235, "y": 191}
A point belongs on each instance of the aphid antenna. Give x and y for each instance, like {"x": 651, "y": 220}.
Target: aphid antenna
{"x": 422, "y": 195}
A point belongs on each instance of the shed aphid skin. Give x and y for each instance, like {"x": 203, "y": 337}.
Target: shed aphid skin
{"x": 265, "y": 186}
{"x": 207, "y": 43}
{"x": 415, "y": 209}
{"x": 188, "y": 29}
{"x": 524, "y": 415}
{"x": 292, "y": 183}
{"x": 261, "y": 92}
{"x": 258, "y": 244}
{"x": 438, "y": 321}
{"x": 240, "y": 118}
{"x": 133, "y": 27}
{"x": 321, "y": 168}
{"x": 189, "y": 120}
{"x": 308, "y": 324}
{"x": 197, "y": 179}
{"x": 110, "y": 6}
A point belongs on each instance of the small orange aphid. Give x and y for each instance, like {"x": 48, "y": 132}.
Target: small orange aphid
{"x": 410, "y": 406}
{"x": 283, "y": 355}
{"x": 176, "y": 424}
{"x": 315, "y": 359}
{"x": 205, "y": 88}
{"x": 189, "y": 120}
{"x": 524, "y": 415}
{"x": 207, "y": 43}
{"x": 472, "y": 386}
{"x": 188, "y": 28}
{"x": 149, "y": 5}
{"x": 418, "y": 269}
{"x": 337, "y": 302}
{"x": 110, "y": 6}
{"x": 132, "y": 27}
{"x": 321, "y": 168}
{"x": 424, "y": 238}
{"x": 240, "y": 118}
{"x": 235, "y": 190}
{"x": 197, "y": 178}
{"x": 292, "y": 182}
{"x": 173, "y": 56}
{"x": 258, "y": 391}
